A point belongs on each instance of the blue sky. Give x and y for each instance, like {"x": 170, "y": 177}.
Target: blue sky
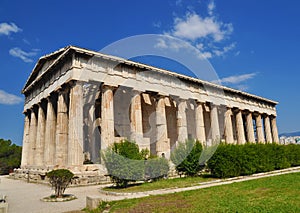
{"x": 253, "y": 45}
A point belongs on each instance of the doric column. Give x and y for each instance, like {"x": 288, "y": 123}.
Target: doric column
{"x": 107, "y": 117}
{"x": 215, "y": 128}
{"x": 75, "y": 137}
{"x": 200, "y": 127}
{"x": 49, "y": 150}
{"x": 240, "y": 128}
{"x": 136, "y": 122}
{"x": 40, "y": 138}
{"x": 181, "y": 121}
{"x": 32, "y": 137}
{"x": 268, "y": 129}
{"x": 259, "y": 129}
{"x": 274, "y": 129}
{"x": 250, "y": 129}
{"x": 62, "y": 129}
{"x": 26, "y": 144}
{"x": 228, "y": 126}
{"x": 162, "y": 142}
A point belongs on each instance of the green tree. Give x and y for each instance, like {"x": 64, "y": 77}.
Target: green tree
{"x": 10, "y": 156}
{"x": 186, "y": 157}
{"x": 60, "y": 180}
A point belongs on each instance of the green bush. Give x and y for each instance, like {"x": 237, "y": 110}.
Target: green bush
{"x": 293, "y": 153}
{"x": 156, "y": 168}
{"x": 124, "y": 163}
{"x": 235, "y": 160}
{"x": 60, "y": 180}
{"x": 186, "y": 158}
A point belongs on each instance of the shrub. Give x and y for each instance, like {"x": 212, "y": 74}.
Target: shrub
{"x": 186, "y": 158}
{"x": 124, "y": 163}
{"x": 235, "y": 160}
{"x": 223, "y": 163}
{"x": 156, "y": 168}
{"x": 60, "y": 180}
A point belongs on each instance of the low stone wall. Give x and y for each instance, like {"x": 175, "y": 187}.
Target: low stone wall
{"x": 89, "y": 174}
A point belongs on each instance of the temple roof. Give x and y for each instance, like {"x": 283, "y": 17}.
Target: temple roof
{"x": 50, "y": 60}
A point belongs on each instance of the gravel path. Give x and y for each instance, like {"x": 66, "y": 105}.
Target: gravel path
{"x": 25, "y": 197}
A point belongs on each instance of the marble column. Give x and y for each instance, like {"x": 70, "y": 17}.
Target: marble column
{"x": 181, "y": 121}
{"x": 62, "y": 129}
{"x": 32, "y": 137}
{"x": 49, "y": 148}
{"x": 250, "y": 129}
{"x": 228, "y": 127}
{"x": 240, "y": 128}
{"x": 75, "y": 136}
{"x": 26, "y": 144}
{"x": 215, "y": 127}
{"x": 268, "y": 129}
{"x": 274, "y": 129}
{"x": 259, "y": 129}
{"x": 107, "y": 117}
{"x": 200, "y": 127}
{"x": 162, "y": 142}
{"x": 40, "y": 138}
{"x": 136, "y": 122}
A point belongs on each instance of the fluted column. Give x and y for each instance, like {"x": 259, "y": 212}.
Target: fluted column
{"x": 200, "y": 127}
{"x": 259, "y": 129}
{"x": 26, "y": 144}
{"x": 215, "y": 127}
{"x": 75, "y": 136}
{"x": 136, "y": 123}
{"x": 228, "y": 127}
{"x": 49, "y": 148}
{"x": 107, "y": 117}
{"x": 40, "y": 138}
{"x": 274, "y": 129}
{"x": 162, "y": 142}
{"x": 240, "y": 128}
{"x": 62, "y": 129}
{"x": 181, "y": 121}
{"x": 268, "y": 130}
{"x": 32, "y": 137}
{"x": 250, "y": 129}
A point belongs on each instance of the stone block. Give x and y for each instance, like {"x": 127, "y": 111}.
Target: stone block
{"x": 92, "y": 202}
{"x": 3, "y": 207}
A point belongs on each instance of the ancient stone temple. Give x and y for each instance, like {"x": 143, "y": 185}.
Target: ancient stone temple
{"x": 78, "y": 102}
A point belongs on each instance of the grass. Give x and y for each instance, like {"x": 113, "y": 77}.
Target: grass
{"x": 161, "y": 184}
{"x": 272, "y": 194}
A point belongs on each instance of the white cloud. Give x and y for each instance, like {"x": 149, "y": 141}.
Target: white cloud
{"x": 25, "y": 56}
{"x": 224, "y": 50}
{"x": 210, "y": 8}
{"x": 7, "y": 28}
{"x": 9, "y": 99}
{"x": 193, "y": 27}
{"x": 237, "y": 53}
{"x": 207, "y": 33}
{"x": 236, "y": 79}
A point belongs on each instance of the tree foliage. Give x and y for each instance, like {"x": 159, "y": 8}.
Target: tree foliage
{"x": 10, "y": 156}
{"x": 60, "y": 180}
{"x": 186, "y": 157}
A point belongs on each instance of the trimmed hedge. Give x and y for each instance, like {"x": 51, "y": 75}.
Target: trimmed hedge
{"x": 236, "y": 160}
